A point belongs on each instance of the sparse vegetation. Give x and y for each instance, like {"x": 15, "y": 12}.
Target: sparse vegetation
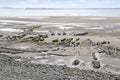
{"x": 55, "y": 40}
{"x": 37, "y": 39}
{"x": 31, "y": 28}
{"x": 81, "y": 34}
{"x": 1, "y": 78}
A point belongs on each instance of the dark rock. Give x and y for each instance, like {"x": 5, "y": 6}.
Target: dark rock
{"x": 1, "y": 35}
{"x": 108, "y": 42}
{"x": 77, "y": 43}
{"x": 58, "y": 33}
{"x": 80, "y": 34}
{"x": 96, "y": 64}
{"x": 72, "y": 42}
{"x": 76, "y": 62}
{"x": 44, "y": 50}
{"x": 43, "y": 35}
{"x": 64, "y": 33}
{"x": 55, "y": 40}
{"x": 98, "y": 44}
{"x": 52, "y": 33}
{"x": 63, "y": 40}
{"x": 104, "y": 42}
{"x": 77, "y": 39}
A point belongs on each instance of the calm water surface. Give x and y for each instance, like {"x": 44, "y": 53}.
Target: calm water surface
{"x": 81, "y": 12}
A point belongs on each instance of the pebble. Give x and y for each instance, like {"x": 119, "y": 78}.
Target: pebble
{"x": 17, "y": 70}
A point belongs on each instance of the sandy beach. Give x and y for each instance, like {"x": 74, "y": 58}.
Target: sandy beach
{"x": 59, "y": 41}
{"x": 65, "y": 19}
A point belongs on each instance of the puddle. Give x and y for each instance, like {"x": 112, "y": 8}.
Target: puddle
{"x": 94, "y": 18}
{"x": 23, "y": 47}
{"x": 15, "y": 21}
{"x": 44, "y": 31}
{"x": 37, "y": 57}
{"x": 109, "y": 31}
{"x": 11, "y": 30}
{"x": 63, "y": 27}
{"x": 94, "y": 28}
{"x": 33, "y": 17}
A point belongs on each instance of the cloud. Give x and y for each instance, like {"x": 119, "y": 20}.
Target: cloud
{"x": 62, "y": 3}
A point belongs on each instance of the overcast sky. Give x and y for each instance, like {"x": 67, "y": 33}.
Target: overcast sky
{"x": 61, "y": 3}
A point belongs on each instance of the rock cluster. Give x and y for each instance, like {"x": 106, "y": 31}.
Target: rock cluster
{"x": 16, "y": 70}
{"x": 68, "y": 33}
{"x": 110, "y": 50}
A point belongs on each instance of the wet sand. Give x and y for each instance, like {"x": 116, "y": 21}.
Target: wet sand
{"x": 99, "y": 29}
{"x": 66, "y": 19}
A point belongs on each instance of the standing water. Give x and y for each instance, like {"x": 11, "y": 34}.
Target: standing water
{"x": 59, "y": 12}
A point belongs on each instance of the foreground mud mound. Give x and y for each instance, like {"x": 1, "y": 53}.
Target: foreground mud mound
{"x": 15, "y": 70}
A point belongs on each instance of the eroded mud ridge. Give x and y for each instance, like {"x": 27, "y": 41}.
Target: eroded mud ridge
{"x": 21, "y": 70}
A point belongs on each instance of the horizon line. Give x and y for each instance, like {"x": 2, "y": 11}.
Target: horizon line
{"x": 51, "y": 8}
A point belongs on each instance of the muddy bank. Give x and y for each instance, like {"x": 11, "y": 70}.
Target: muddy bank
{"x": 15, "y": 70}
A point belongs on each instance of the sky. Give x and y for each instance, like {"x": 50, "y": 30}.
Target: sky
{"x": 60, "y": 3}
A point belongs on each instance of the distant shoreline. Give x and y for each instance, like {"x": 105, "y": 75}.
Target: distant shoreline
{"x": 20, "y": 12}
{"x": 61, "y": 8}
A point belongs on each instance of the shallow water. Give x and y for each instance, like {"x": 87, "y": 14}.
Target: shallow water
{"x": 15, "y": 21}
{"x": 94, "y": 28}
{"x": 77, "y": 12}
{"x": 10, "y": 30}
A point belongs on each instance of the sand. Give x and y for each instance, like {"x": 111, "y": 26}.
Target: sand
{"x": 67, "y": 19}
{"x": 98, "y": 28}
